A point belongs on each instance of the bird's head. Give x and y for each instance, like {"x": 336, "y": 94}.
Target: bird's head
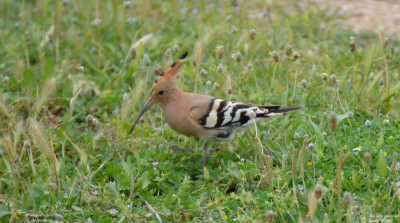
{"x": 163, "y": 87}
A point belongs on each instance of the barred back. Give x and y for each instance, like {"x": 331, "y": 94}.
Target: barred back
{"x": 222, "y": 113}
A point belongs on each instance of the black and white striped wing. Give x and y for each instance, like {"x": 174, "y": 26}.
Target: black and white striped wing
{"x": 226, "y": 114}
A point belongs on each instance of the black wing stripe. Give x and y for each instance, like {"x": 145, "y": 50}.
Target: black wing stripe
{"x": 203, "y": 120}
{"x": 220, "y": 114}
{"x": 232, "y": 115}
{"x": 243, "y": 118}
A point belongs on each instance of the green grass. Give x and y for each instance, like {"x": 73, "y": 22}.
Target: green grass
{"x": 54, "y": 166}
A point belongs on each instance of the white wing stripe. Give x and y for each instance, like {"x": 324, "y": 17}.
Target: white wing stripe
{"x": 227, "y": 115}
{"x": 213, "y": 116}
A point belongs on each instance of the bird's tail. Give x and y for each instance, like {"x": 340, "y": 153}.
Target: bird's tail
{"x": 276, "y": 110}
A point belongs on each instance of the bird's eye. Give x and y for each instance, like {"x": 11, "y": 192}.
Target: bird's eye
{"x": 161, "y": 92}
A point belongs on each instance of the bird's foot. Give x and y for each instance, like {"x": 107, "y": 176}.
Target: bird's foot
{"x": 178, "y": 148}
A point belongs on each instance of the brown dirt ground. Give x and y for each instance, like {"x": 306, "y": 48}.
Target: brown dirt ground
{"x": 363, "y": 15}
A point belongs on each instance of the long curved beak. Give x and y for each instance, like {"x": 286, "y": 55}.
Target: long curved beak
{"x": 146, "y": 106}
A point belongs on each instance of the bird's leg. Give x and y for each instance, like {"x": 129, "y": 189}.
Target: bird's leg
{"x": 206, "y": 155}
{"x": 178, "y": 148}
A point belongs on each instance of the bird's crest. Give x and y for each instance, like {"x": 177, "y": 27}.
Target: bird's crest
{"x": 175, "y": 67}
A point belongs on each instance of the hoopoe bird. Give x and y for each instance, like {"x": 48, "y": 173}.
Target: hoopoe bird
{"x": 202, "y": 116}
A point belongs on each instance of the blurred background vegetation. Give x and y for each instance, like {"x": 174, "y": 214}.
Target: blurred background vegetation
{"x": 75, "y": 73}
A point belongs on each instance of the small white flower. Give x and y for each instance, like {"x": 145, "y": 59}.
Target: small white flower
{"x": 168, "y": 53}
{"x": 386, "y": 122}
{"x": 220, "y": 51}
{"x": 6, "y": 79}
{"x": 238, "y": 56}
{"x": 381, "y": 82}
{"x": 80, "y": 69}
{"x": 249, "y": 66}
{"x": 203, "y": 73}
{"x": 296, "y": 55}
{"x": 26, "y": 144}
{"x": 175, "y": 48}
{"x": 130, "y": 20}
{"x": 253, "y": 33}
{"x": 113, "y": 212}
{"x": 303, "y": 83}
{"x": 220, "y": 68}
{"x": 96, "y": 22}
{"x": 125, "y": 98}
{"x": 356, "y": 150}
{"x": 216, "y": 86}
{"x": 371, "y": 76}
{"x": 234, "y": 29}
{"x": 350, "y": 115}
{"x": 146, "y": 60}
{"x": 337, "y": 83}
{"x": 252, "y": 114}
{"x": 368, "y": 124}
{"x": 324, "y": 76}
{"x": 311, "y": 146}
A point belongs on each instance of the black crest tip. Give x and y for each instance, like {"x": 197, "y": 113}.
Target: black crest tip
{"x": 184, "y": 55}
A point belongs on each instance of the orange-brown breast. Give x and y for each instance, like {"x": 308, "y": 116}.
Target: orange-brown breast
{"x": 183, "y": 112}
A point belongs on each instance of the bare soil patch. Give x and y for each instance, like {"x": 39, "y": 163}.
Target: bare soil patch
{"x": 363, "y": 15}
